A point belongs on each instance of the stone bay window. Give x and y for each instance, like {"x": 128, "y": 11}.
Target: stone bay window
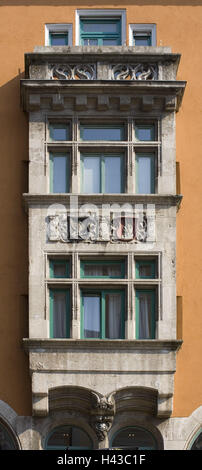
{"x": 102, "y": 288}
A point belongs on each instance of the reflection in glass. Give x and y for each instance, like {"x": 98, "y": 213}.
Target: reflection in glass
{"x": 145, "y": 174}
{"x": 90, "y": 42}
{"x": 144, "y": 133}
{"x": 91, "y": 305}
{"x": 58, "y": 39}
{"x": 109, "y": 133}
{"x": 59, "y": 132}
{"x": 105, "y": 27}
{"x": 59, "y": 174}
{"x": 112, "y": 175}
{"x": 91, "y": 175}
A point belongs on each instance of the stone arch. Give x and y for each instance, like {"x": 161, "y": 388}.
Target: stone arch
{"x": 8, "y": 437}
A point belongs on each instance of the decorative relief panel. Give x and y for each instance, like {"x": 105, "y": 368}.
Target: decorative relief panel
{"x": 132, "y": 72}
{"x": 135, "y": 72}
{"x": 61, "y": 228}
{"x": 73, "y": 72}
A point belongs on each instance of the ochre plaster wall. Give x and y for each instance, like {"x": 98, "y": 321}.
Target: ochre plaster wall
{"x": 21, "y": 29}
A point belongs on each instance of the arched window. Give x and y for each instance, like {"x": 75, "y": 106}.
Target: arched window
{"x": 134, "y": 437}
{"x": 68, "y": 437}
{"x": 197, "y": 444}
{"x": 6, "y": 439}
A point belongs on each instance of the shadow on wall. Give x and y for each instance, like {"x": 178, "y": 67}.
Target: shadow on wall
{"x": 15, "y": 384}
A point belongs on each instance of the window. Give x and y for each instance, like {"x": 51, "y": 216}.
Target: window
{"x": 145, "y": 132}
{"x": 59, "y": 172}
{"x": 103, "y": 269}
{"x": 59, "y": 131}
{"x": 100, "y": 32}
{"x": 68, "y": 437}
{"x": 101, "y": 173}
{"x": 59, "y": 313}
{"x": 142, "y": 35}
{"x": 145, "y": 173}
{"x": 100, "y": 27}
{"x": 59, "y": 269}
{"x": 102, "y": 314}
{"x": 145, "y": 269}
{"x": 145, "y": 300}
{"x": 58, "y": 34}
{"x": 134, "y": 437}
{"x": 102, "y": 132}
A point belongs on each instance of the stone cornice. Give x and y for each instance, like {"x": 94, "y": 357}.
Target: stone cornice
{"x": 99, "y": 199}
{"x": 44, "y": 344}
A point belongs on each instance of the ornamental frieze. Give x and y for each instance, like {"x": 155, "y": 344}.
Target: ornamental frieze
{"x": 140, "y": 71}
{"x": 135, "y": 72}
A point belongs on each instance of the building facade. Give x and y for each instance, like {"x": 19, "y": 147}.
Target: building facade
{"x": 104, "y": 351}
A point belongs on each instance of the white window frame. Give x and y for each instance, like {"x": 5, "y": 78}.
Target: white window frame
{"x": 101, "y": 14}
{"x": 142, "y": 28}
{"x": 58, "y": 28}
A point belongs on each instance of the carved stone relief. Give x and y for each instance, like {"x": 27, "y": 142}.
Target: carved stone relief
{"x": 61, "y": 228}
{"x": 73, "y": 72}
{"x": 135, "y": 72}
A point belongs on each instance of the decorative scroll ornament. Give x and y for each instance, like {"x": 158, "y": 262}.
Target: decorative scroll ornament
{"x": 73, "y": 72}
{"x": 134, "y": 72}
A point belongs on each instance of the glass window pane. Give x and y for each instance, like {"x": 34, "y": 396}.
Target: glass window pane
{"x": 144, "y": 133}
{"x": 113, "y": 175}
{"x": 60, "y": 174}
{"x": 113, "y": 315}
{"x": 142, "y": 40}
{"x": 90, "y": 42}
{"x": 59, "y": 315}
{"x": 134, "y": 438}
{"x": 91, "y": 316}
{"x": 145, "y": 269}
{"x": 145, "y": 312}
{"x": 58, "y": 39}
{"x": 145, "y": 175}
{"x": 103, "y": 270}
{"x": 69, "y": 437}
{"x": 59, "y": 270}
{"x": 101, "y": 133}
{"x": 91, "y": 174}
{"x": 111, "y": 42}
{"x": 105, "y": 27}
{"x": 59, "y": 132}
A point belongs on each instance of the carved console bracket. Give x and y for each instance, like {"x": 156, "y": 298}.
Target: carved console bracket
{"x": 102, "y": 415}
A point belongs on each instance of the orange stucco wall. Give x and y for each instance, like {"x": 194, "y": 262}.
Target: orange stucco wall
{"x": 21, "y": 29}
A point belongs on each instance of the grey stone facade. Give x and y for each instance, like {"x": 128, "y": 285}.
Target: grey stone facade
{"x": 102, "y": 385}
